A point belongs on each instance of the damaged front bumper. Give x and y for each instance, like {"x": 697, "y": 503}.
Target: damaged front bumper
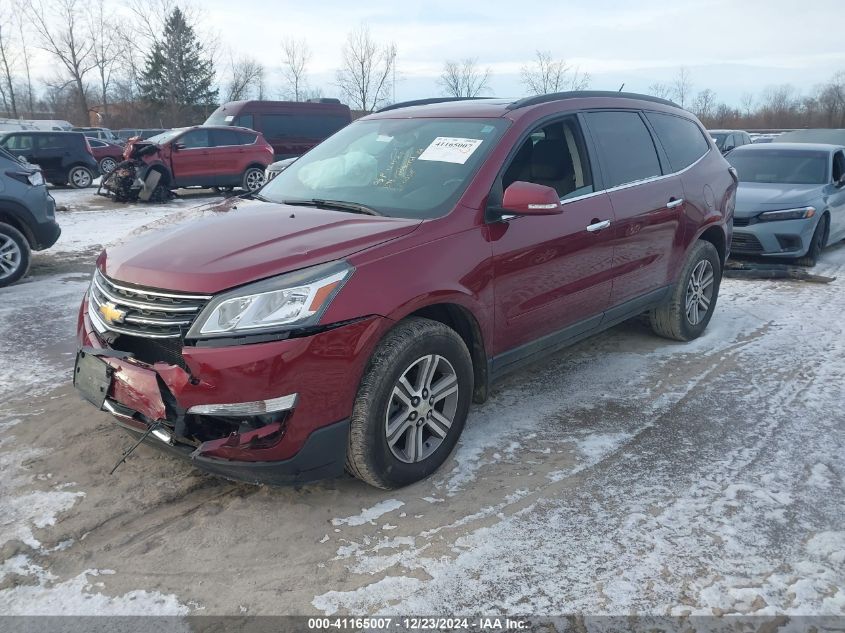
{"x": 272, "y": 413}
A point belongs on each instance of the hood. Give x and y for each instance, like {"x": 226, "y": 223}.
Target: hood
{"x": 253, "y": 241}
{"x": 753, "y": 197}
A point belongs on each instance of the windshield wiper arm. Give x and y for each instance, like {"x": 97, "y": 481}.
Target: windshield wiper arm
{"x": 340, "y": 205}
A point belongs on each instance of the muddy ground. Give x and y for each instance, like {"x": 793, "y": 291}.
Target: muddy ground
{"x": 628, "y": 474}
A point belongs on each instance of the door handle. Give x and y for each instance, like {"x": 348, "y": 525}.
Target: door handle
{"x": 598, "y": 226}
{"x": 674, "y": 203}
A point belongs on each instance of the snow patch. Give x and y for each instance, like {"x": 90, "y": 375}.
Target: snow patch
{"x": 369, "y": 515}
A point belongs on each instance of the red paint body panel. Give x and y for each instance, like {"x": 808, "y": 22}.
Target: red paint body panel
{"x": 519, "y": 279}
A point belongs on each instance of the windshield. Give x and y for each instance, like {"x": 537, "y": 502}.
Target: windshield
{"x": 164, "y": 137}
{"x": 412, "y": 168}
{"x": 785, "y": 167}
{"x": 219, "y": 117}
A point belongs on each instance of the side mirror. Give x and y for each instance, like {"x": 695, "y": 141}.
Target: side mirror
{"x": 528, "y": 198}
{"x": 840, "y": 183}
{"x": 727, "y": 148}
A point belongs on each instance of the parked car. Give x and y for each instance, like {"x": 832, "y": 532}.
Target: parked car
{"x": 125, "y": 134}
{"x": 64, "y": 157}
{"x": 350, "y": 312}
{"x": 54, "y": 125}
{"x": 27, "y": 216}
{"x": 291, "y": 127}
{"x": 102, "y": 133}
{"x": 791, "y": 200}
{"x": 108, "y": 155}
{"x": 815, "y": 135}
{"x": 274, "y": 169}
{"x": 727, "y": 140}
{"x": 204, "y": 156}
{"x": 13, "y": 125}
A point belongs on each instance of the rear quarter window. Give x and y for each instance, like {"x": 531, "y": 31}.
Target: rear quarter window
{"x": 682, "y": 140}
{"x": 626, "y": 147}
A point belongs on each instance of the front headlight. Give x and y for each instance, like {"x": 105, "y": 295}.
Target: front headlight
{"x": 289, "y": 301}
{"x": 788, "y": 214}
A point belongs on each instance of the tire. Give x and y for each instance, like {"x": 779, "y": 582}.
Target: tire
{"x": 253, "y": 179}
{"x": 15, "y": 255}
{"x": 409, "y": 350}
{"x": 79, "y": 177}
{"x": 817, "y": 243}
{"x": 679, "y": 320}
{"x": 107, "y": 165}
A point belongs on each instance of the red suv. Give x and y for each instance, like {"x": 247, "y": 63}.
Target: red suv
{"x": 204, "y": 156}
{"x": 349, "y": 314}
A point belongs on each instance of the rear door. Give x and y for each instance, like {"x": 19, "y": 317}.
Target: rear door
{"x": 192, "y": 159}
{"x": 233, "y": 153}
{"x": 53, "y": 154}
{"x": 648, "y": 206}
{"x": 551, "y": 273}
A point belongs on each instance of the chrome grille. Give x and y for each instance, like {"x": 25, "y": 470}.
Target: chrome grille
{"x": 144, "y": 312}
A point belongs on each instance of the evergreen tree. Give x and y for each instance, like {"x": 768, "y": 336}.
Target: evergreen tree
{"x": 178, "y": 74}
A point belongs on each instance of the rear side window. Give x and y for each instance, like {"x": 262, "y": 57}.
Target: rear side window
{"x": 681, "y": 139}
{"x": 247, "y": 138}
{"x": 300, "y": 125}
{"x": 18, "y": 142}
{"x": 626, "y": 146}
{"x": 226, "y": 138}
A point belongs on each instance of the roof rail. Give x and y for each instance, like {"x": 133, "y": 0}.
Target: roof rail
{"x": 418, "y": 102}
{"x": 585, "y": 94}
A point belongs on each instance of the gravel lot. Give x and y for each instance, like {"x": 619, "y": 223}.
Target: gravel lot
{"x": 628, "y": 474}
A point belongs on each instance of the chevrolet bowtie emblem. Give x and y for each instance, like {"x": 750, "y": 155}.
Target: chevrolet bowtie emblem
{"x": 111, "y": 313}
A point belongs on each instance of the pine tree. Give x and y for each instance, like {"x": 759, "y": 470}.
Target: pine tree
{"x": 178, "y": 74}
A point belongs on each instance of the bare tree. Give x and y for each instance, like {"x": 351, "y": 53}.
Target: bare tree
{"x": 704, "y": 104}
{"x": 366, "y": 73}
{"x": 8, "y": 62}
{"x": 247, "y": 79}
{"x": 21, "y": 24}
{"x": 295, "y": 58}
{"x": 464, "y": 78}
{"x": 682, "y": 86}
{"x": 104, "y": 51}
{"x": 660, "y": 90}
{"x": 61, "y": 34}
{"x": 747, "y": 103}
{"x": 546, "y": 74}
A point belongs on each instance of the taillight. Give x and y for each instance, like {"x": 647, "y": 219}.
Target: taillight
{"x": 88, "y": 146}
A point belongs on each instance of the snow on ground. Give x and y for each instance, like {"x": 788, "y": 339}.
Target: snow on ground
{"x": 44, "y": 309}
{"x": 695, "y": 487}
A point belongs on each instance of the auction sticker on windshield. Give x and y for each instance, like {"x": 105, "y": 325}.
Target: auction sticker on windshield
{"x": 447, "y": 149}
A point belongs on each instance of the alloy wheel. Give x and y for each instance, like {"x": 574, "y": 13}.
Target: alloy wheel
{"x": 254, "y": 179}
{"x": 80, "y": 177}
{"x": 421, "y": 408}
{"x": 107, "y": 165}
{"x": 10, "y": 257}
{"x": 699, "y": 292}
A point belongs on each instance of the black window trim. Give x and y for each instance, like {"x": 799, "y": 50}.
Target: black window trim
{"x": 662, "y": 150}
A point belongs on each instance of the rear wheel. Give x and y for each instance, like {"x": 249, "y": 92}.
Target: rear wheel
{"x": 80, "y": 177}
{"x": 685, "y": 313}
{"x": 107, "y": 165}
{"x": 14, "y": 255}
{"x": 817, "y": 243}
{"x": 253, "y": 179}
{"x": 411, "y": 406}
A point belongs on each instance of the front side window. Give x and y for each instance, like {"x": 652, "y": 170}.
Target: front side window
{"x": 308, "y": 126}
{"x": 195, "y": 139}
{"x": 19, "y": 142}
{"x": 681, "y": 139}
{"x": 804, "y": 167}
{"x": 553, "y": 155}
{"x": 627, "y": 149}
{"x": 838, "y": 166}
{"x": 245, "y": 120}
{"x": 412, "y": 168}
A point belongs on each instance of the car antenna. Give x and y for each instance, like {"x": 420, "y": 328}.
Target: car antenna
{"x": 620, "y": 87}
{"x": 126, "y": 454}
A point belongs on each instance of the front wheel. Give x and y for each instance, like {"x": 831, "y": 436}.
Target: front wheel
{"x": 817, "y": 243}
{"x": 253, "y": 179}
{"x": 685, "y": 313}
{"x": 14, "y": 255}
{"x": 411, "y": 406}
{"x": 80, "y": 177}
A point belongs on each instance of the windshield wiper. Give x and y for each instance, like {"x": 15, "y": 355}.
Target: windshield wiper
{"x": 340, "y": 205}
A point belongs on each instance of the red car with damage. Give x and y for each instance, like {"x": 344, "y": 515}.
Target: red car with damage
{"x": 204, "y": 156}
{"x": 347, "y": 316}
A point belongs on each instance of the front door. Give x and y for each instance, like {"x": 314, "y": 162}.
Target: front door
{"x": 552, "y": 273}
{"x": 836, "y": 199}
{"x": 192, "y": 159}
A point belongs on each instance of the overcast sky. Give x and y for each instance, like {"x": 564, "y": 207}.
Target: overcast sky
{"x": 730, "y": 46}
